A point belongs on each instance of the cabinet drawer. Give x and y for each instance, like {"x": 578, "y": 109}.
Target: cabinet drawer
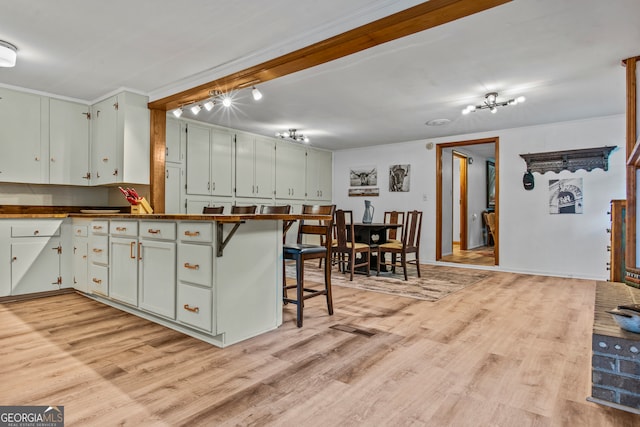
{"x": 158, "y": 230}
{"x": 194, "y": 306}
{"x": 99, "y": 227}
{"x": 194, "y": 264}
{"x": 123, "y": 228}
{"x": 99, "y": 280}
{"x": 80, "y": 230}
{"x": 46, "y": 229}
{"x": 196, "y": 231}
{"x": 99, "y": 249}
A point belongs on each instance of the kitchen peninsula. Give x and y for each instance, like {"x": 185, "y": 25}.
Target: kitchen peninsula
{"x": 217, "y": 278}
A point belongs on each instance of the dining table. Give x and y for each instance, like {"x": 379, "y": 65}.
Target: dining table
{"x": 373, "y": 234}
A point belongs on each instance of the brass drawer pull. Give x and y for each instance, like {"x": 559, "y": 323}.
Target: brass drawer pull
{"x": 96, "y": 250}
{"x": 121, "y": 228}
{"x": 36, "y": 232}
{"x": 191, "y": 233}
{"x": 131, "y": 246}
{"x": 191, "y": 309}
{"x": 152, "y": 231}
{"x": 98, "y": 281}
{"x": 97, "y": 227}
{"x": 191, "y": 266}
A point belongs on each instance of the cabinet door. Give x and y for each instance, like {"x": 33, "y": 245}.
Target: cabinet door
{"x": 68, "y": 143}
{"x": 104, "y": 162}
{"x": 173, "y": 188}
{"x": 264, "y": 164}
{"x": 35, "y": 265}
{"x": 157, "y": 277}
{"x": 123, "y": 254}
{"x": 174, "y": 141}
{"x": 20, "y": 137}
{"x": 290, "y": 171}
{"x": 319, "y": 175}
{"x": 198, "y": 160}
{"x": 245, "y": 182}
{"x": 80, "y": 263}
{"x": 221, "y": 163}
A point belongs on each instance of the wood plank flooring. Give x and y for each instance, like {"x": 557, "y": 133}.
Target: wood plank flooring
{"x": 512, "y": 350}
{"x": 477, "y": 256}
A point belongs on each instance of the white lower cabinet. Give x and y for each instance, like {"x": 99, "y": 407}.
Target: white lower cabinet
{"x": 98, "y": 271}
{"x": 123, "y": 261}
{"x": 195, "y": 275}
{"x": 124, "y": 269}
{"x": 157, "y": 277}
{"x": 80, "y": 257}
{"x": 35, "y": 254}
{"x": 195, "y": 306}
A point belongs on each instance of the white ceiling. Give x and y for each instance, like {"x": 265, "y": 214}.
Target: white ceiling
{"x": 562, "y": 55}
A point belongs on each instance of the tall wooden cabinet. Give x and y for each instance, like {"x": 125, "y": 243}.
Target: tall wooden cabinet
{"x": 616, "y": 248}
{"x": 290, "y": 171}
{"x": 209, "y": 161}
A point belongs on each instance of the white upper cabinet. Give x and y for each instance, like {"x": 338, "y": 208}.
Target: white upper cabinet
{"x": 290, "y": 170}
{"x": 209, "y": 161}
{"x": 23, "y": 137}
{"x": 120, "y": 140}
{"x": 174, "y": 138}
{"x": 68, "y": 143}
{"x": 254, "y": 166}
{"x": 319, "y": 174}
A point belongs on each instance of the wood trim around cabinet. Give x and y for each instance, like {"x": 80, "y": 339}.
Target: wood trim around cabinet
{"x": 158, "y": 160}
{"x": 410, "y": 21}
{"x": 631, "y": 137}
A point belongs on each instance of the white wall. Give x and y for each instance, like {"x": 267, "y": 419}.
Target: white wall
{"x": 53, "y": 195}
{"x": 531, "y": 239}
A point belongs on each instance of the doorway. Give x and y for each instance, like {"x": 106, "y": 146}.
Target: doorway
{"x": 467, "y": 177}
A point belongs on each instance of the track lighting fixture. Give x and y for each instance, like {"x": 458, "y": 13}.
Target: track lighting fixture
{"x": 257, "y": 95}
{"x": 216, "y": 97}
{"x": 293, "y": 135}
{"x": 491, "y": 103}
{"x": 8, "y": 54}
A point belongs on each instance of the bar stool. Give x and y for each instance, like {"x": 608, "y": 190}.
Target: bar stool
{"x": 300, "y": 252}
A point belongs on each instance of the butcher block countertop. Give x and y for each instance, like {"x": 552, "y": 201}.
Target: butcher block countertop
{"x": 33, "y": 216}
{"x": 201, "y": 217}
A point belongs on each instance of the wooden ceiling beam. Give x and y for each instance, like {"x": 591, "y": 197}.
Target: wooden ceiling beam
{"x": 410, "y": 21}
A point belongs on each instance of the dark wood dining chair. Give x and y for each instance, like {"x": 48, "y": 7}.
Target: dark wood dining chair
{"x": 345, "y": 250}
{"x": 409, "y": 244}
{"x": 243, "y": 209}
{"x": 300, "y": 252}
{"x": 213, "y": 210}
{"x": 275, "y": 209}
{"x": 393, "y": 217}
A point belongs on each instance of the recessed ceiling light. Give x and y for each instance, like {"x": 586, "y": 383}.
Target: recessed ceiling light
{"x": 438, "y": 122}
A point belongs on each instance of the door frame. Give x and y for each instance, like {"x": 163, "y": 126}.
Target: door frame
{"x": 495, "y": 140}
{"x": 462, "y": 206}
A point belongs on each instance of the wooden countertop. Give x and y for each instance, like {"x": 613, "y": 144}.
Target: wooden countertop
{"x": 176, "y": 217}
{"x": 211, "y": 217}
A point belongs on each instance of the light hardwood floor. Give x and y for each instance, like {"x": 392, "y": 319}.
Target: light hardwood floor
{"x": 511, "y": 350}
{"x": 477, "y": 256}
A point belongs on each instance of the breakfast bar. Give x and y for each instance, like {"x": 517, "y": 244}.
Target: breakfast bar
{"x": 217, "y": 278}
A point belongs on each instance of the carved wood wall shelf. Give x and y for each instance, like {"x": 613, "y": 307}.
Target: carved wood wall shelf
{"x": 571, "y": 160}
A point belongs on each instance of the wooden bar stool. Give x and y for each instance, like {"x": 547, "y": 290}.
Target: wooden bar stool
{"x": 300, "y": 252}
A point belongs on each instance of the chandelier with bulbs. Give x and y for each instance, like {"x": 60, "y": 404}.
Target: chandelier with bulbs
{"x": 293, "y": 135}
{"x": 216, "y": 97}
{"x": 491, "y": 103}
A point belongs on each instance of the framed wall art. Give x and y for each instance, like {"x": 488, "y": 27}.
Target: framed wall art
{"x": 565, "y": 196}
{"x": 399, "y": 176}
